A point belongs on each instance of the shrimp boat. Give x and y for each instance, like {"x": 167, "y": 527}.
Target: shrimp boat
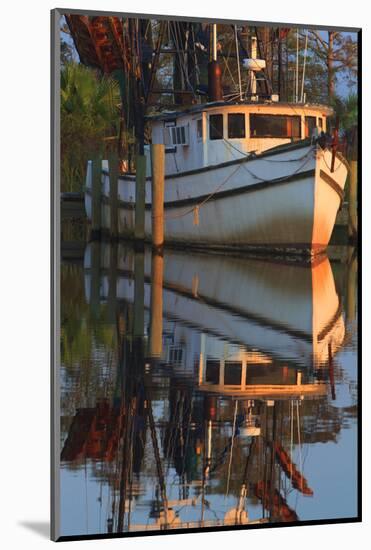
{"x": 289, "y": 311}
{"x": 243, "y": 174}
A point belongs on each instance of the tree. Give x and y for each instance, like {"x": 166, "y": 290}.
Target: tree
{"x": 347, "y": 111}
{"x": 67, "y": 50}
{"x": 90, "y": 112}
{"x": 336, "y": 56}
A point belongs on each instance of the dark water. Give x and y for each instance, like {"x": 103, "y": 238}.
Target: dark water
{"x": 203, "y": 390}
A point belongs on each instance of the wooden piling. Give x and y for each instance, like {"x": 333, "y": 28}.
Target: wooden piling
{"x": 138, "y": 321}
{"x": 95, "y": 260}
{"x": 351, "y": 302}
{"x": 96, "y": 215}
{"x": 158, "y": 184}
{"x": 113, "y": 195}
{"x": 352, "y": 218}
{"x": 112, "y": 289}
{"x": 140, "y": 196}
{"x": 155, "y": 336}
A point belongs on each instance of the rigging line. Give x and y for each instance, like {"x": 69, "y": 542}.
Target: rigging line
{"x": 306, "y": 157}
{"x": 231, "y": 453}
{"x": 297, "y": 67}
{"x": 238, "y": 62}
{"x": 183, "y": 53}
{"x": 291, "y": 434}
{"x": 189, "y": 411}
{"x": 196, "y": 67}
{"x": 225, "y": 59}
{"x": 299, "y": 437}
{"x": 175, "y": 216}
{"x": 304, "y": 63}
{"x": 324, "y": 160}
{"x": 248, "y": 155}
{"x": 177, "y": 37}
{"x": 197, "y": 206}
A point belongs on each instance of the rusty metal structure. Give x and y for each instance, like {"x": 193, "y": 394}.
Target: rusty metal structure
{"x": 100, "y": 42}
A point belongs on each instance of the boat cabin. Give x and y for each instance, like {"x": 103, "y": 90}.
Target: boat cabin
{"x": 218, "y": 132}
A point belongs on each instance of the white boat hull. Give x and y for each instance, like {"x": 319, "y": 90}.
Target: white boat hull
{"x": 286, "y": 310}
{"x": 279, "y": 201}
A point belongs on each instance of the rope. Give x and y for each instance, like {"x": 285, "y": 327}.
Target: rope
{"x": 248, "y": 155}
{"x": 261, "y": 180}
{"x": 324, "y": 160}
{"x": 198, "y": 206}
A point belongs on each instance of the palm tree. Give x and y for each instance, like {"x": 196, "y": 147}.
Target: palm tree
{"x": 90, "y": 109}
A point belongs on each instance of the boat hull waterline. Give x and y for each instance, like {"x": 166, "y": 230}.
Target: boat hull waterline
{"x": 285, "y": 200}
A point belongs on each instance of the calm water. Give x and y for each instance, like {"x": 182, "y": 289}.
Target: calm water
{"x": 204, "y": 390}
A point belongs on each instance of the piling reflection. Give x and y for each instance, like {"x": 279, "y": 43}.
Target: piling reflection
{"x": 210, "y": 391}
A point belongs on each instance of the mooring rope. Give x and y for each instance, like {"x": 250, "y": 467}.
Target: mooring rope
{"x": 196, "y": 208}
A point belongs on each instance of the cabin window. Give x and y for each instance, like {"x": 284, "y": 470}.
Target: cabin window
{"x": 310, "y": 125}
{"x": 199, "y": 129}
{"x": 276, "y": 126}
{"x": 232, "y": 373}
{"x": 180, "y": 135}
{"x": 320, "y": 122}
{"x": 169, "y": 146}
{"x": 176, "y": 135}
{"x": 175, "y": 355}
{"x": 236, "y": 126}
{"x": 212, "y": 371}
{"x": 216, "y": 126}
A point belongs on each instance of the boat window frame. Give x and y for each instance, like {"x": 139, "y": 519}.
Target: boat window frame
{"x": 235, "y": 114}
{"x": 214, "y": 363}
{"x": 228, "y": 365}
{"x": 180, "y": 135}
{"x": 209, "y": 126}
{"x": 308, "y": 134}
{"x": 169, "y": 124}
{"x": 270, "y": 136}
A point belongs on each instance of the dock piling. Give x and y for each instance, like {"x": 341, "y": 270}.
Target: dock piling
{"x": 95, "y": 277}
{"x": 352, "y": 219}
{"x": 113, "y": 195}
{"x": 96, "y": 216}
{"x": 158, "y": 184}
{"x": 138, "y": 321}
{"x": 157, "y": 270}
{"x": 112, "y": 281}
{"x": 140, "y": 196}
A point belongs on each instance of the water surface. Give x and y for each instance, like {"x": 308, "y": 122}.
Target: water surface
{"x": 202, "y": 390}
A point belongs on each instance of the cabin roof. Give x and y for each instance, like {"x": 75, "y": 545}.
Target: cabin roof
{"x": 170, "y": 115}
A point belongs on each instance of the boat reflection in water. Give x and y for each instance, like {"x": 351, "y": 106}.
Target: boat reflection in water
{"x": 222, "y": 375}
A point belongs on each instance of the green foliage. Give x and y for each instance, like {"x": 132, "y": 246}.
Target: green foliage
{"x": 347, "y": 111}
{"x": 89, "y": 115}
{"x": 82, "y": 330}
